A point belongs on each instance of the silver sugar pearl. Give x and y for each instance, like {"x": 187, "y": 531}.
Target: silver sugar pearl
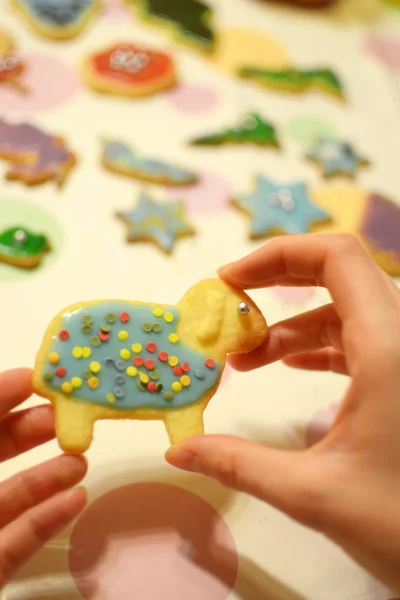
{"x": 243, "y": 308}
{"x": 20, "y": 237}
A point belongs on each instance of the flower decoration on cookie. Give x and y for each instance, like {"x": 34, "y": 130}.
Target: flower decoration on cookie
{"x": 190, "y": 19}
{"x": 121, "y": 158}
{"x": 296, "y": 80}
{"x": 277, "y": 208}
{"x": 11, "y": 66}
{"x": 154, "y": 222}
{"x": 35, "y": 156}
{"x": 252, "y": 129}
{"x": 57, "y": 19}
{"x": 336, "y": 158}
{"x": 22, "y": 248}
{"x": 129, "y": 70}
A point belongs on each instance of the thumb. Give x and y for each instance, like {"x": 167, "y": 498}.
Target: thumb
{"x": 292, "y": 482}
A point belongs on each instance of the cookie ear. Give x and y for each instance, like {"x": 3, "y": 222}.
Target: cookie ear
{"x": 210, "y": 328}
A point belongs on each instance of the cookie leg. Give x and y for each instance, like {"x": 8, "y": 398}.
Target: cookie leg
{"x": 74, "y": 425}
{"x": 184, "y": 423}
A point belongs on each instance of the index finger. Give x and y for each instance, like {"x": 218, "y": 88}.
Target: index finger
{"x": 337, "y": 262}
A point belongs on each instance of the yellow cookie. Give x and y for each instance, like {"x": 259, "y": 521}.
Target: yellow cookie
{"x": 177, "y": 360}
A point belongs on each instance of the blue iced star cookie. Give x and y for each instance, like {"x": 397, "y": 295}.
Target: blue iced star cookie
{"x": 336, "y": 158}
{"x": 162, "y": 224}
{"x": 279, "y": 208}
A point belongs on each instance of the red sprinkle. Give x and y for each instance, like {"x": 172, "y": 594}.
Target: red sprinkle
{"x": 177, "y": 371}
{"x": 63, "y": 335}
{"x": 151, "y": 347}
{"x": 61, "y": 372}
{"x": 163, "y": 356}
{"x": 210, "y": 363}
{"x": 152, "y": 387}
{"x": 138, "y": 361}
{"x": 124, "y": 317}
{"x": 103, "y": 335}
{"x": 150, "y": 364}
{"x": 185, "y": 367}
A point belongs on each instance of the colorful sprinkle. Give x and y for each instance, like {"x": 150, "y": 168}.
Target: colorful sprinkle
{"x": 168, "y": 317}
{"x": 95, "y": 340}
{"x": 93, "y": 382}
{"x": 119, "y": 392}
{"x": 87, "y": 329}
{"x": 185, "y": 367}
{"x": 125, "y": 354}
{"x": 109, "y": 362}
{"x": 48, "y": 376}
{"x": 123, "y": 335}
{"x": 138, "y": 361}
{"x": 173, "y": 361}
{"x": 151, "y": 347}
{"x": 105, "y": 328}
{"x": 149, "y": 364}
{"x": 110, "y": 398}
{"x": 147, "y": 327}
{"x": 159, "y": 387}
{"x": 104, "y": 336}
{"x": 87, "y": 319}
{"x": 152, "y": 387}
{"x": 140, "y": 385}
{"x": 185, "y": 380}
{"x": 156, "y": 327}
{"x": 178, "y": 371}
{"x": 61, "y": 372}
{"x": 168, "y": 396}
{"x": 120, "y": 365}
{"x": 136, "y": 348}
{"x": 66, "y": 387}
{"x": 210, "y": 363}
{"x": 158, "y": 312}
{"x": 95, "y": 367}
{"x": 77, "y": 352}
{"x": 173, "y": 338}
{"x": 124, "y": 317}
{"x": 131, "y": 371}
{"x": 200, "y": 374}
{"x": 111, "y": 317}
{"x": 54, "y": 358}
{"x": 154, "y": 374}
{"x": 63, "y": 335}
{"x": 144, "y": 378}
{"x": 88, "y": 374}
{"x": 119, "y": 379}
{"x": 163, "y": 356}
{"x": 86, "y": 352}
{"x": 176, "y": 386}
{"x": 76, "y": 382}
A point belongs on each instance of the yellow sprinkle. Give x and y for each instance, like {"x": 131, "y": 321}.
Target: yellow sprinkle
{"x": 86, "y": 352}
{"x": 158, "y": 312}
{"x": 173, "y": 338}
{"x": 123, "y": 335}
{"x": 77, "y": 352}
{"x": 95, "y": 367}
{"x": 54, "y": 357}
{"x": 131, "y": 371}
{"x": 185, "y": 380}
{"x": 66, "y": 387}
{"x": 93, "y": 382}
{"x": 136, "y": 348}
{"x": 110, "y": 398}
{"x": 125, "y": 354}
{"x": 176, "y": 386}
{"x": 173, "y": 361}
{"x": 169, "y": 317}
{"x": 76, "y": 382}
{"x": 144, "y": 378}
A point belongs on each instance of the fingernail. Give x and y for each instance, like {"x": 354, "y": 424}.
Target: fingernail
{"x": 182, "y": 459}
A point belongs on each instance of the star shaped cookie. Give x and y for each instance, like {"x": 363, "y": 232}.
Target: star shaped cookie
{"x": 336, "y": 158}
{"x": 278, "y": 208}
{"x": 161, "y": 224}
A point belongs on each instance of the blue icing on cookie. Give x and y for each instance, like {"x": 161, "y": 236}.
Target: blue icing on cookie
{"x": 286, "y": 208}
{"x": 58, "y": 13}
{"x": 121, "y": 157}
{"x": 109, "y": 374}
{"x": 336, "y": 157}
{"x": 160, "y": 223}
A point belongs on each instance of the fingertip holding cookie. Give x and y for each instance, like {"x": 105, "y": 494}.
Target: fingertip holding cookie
{"x": 57, "y": 19}
{"x": 119, "y": 359}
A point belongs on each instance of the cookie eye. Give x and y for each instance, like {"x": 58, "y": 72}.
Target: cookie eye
{"x": 243, "y": 308}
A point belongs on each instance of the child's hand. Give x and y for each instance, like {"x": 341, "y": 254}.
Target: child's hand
{"x": 34, "y": 504}
{"x": 348, "y": 485}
